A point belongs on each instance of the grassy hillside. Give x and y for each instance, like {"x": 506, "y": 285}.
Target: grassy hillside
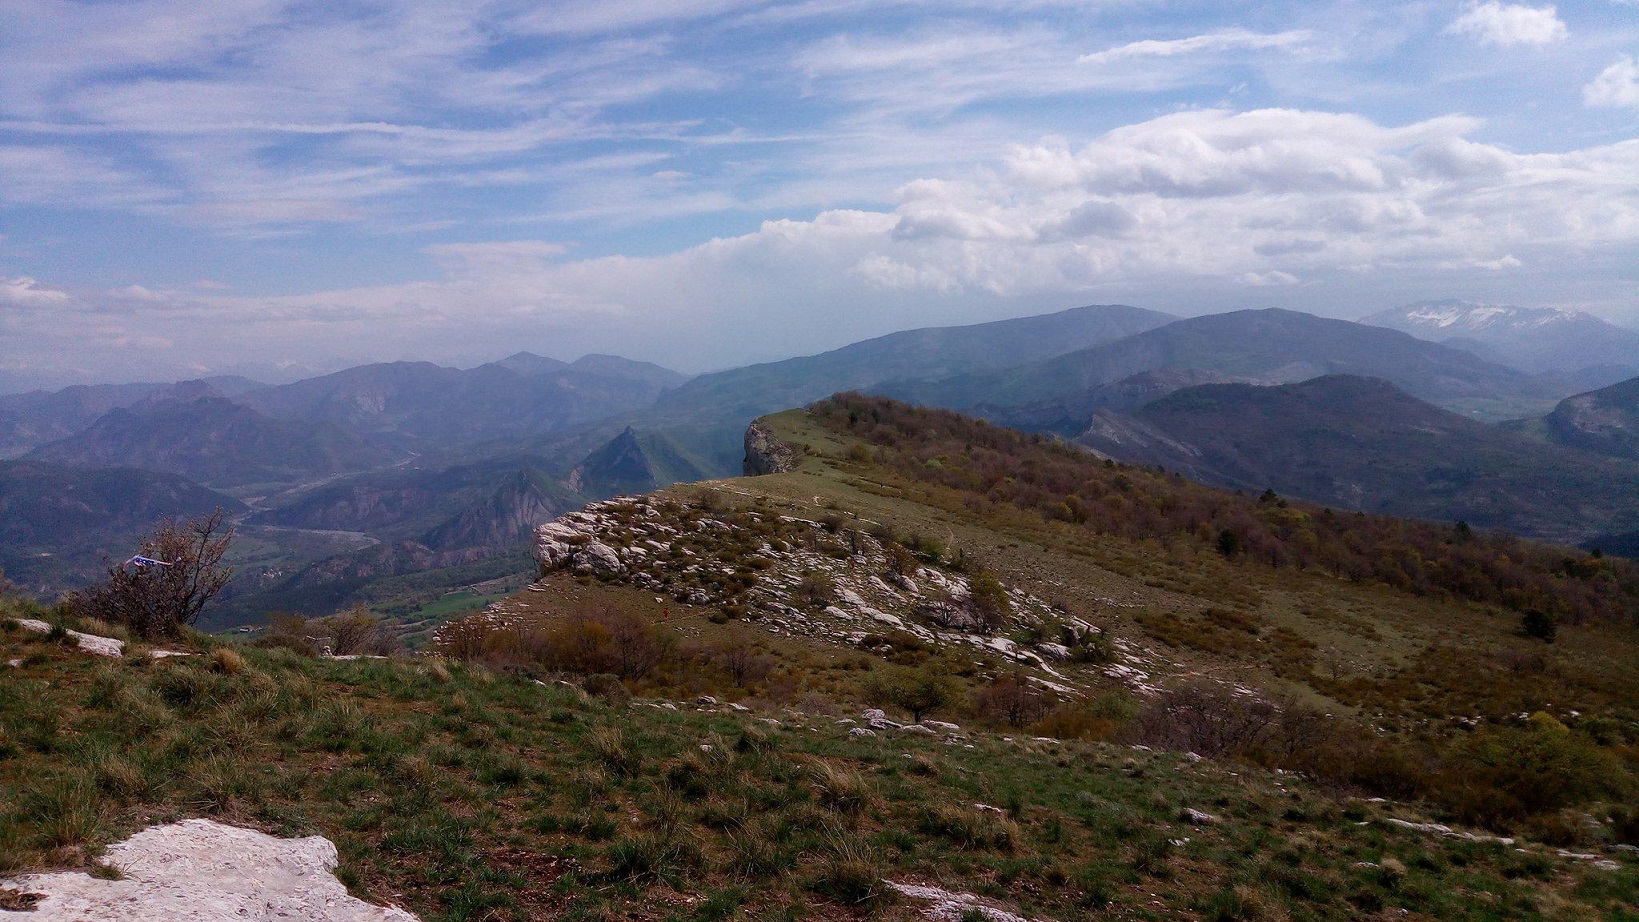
{"x": 1133, "y": 719}
{"x": 466, "y": 795}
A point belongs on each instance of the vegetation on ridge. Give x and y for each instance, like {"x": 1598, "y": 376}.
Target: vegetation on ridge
{"x": 993, "y": 466}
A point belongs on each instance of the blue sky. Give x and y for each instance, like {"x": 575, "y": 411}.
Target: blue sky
{"x": 257, "y": 185}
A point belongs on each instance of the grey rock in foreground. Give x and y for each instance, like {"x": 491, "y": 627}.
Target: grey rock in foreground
{"x": 203, "y": 871}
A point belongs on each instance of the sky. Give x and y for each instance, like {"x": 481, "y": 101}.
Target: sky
{"x": 278, "y": 188}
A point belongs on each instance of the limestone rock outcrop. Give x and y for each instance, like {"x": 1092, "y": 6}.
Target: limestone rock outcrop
{"x": 766, "y": 454}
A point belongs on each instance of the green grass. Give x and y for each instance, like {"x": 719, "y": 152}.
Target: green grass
{"x": 481, "y": 796}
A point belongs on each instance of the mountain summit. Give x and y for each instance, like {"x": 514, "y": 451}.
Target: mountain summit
{"x": 1540, "y": 340}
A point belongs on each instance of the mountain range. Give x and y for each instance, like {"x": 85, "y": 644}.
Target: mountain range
{"x": 1576, "y": 347}
{"x": 201, "y": 434}
{"x": 1363, "y": 444}
{"x": 437, "y": 466}
{"x": 1264, "y": 346}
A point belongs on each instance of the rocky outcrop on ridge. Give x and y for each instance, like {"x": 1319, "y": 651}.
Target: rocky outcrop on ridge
{"x": 766, "y": 454}
{"x": 839, "y": 579}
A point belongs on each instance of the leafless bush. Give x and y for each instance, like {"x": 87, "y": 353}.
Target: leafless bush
{"x": 1207, "y": 719}
{"x": 165, "y": 587}
{"x": 1012, "y": 698}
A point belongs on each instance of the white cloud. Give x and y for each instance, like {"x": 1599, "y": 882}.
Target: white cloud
{"x": 1224, "y": 40}
{"x": 1272, "y": 199}
{"x": 1617, "y": 86}
{"x": 468, "y": 259}
{"x": 26, "y": 292}
{"x": 1495, "y": 23}
{"x": 1270, "y": 277}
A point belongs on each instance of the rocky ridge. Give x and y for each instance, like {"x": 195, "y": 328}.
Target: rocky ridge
{"x": 766, "y": 454}
{"x": 837, "y": 579}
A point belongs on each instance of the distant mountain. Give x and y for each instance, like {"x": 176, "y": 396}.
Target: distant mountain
{"x": 631, "y": 463}
{"x": 1604, "y": 421}
{"x": 1359, "y": 443}
{"x": 57, "y": 522}
{"x": 197, "y": 433}
{"x": 505, "y": 520}
{"x": 32, "y": 419}
{"x": 708, "y": 415}
{"x": 934, "y": 352}
{"x": 422, "y": 403}
{"x": 617, "y": 368}
{"x": 37, "y": 417}
{"x": 1069, "y": 414}
{"x": 1267, "y": 346}
{"x": 1540, "y": 340}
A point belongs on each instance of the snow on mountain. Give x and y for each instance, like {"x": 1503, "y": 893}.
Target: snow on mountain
{"x": 1575, "y": 345}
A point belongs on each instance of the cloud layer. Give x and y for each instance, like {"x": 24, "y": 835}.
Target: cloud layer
{"x": 1237, "y": 201}
{"x": 733, "y": 180}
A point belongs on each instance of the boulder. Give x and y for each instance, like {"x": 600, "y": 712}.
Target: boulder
{"x": 951, "y": 615}
{"x": 596, "y": 557}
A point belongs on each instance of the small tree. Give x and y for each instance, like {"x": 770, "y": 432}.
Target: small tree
{"x": 901, "y": 559}
{"x": 919, "y": 690}
{"x": 817, "y": 589}
{"x": 352, "y": 631}
{"x": 181, "y": 573}
{"x": 1012, "y": 698}
{"x": 990, "y": 600}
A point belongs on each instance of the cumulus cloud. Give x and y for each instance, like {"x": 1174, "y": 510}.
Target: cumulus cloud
{"x": 1223, "y": 40}
{"x": 1495, "y": 23}
{"x": 1270, "y": 277}
{"x": 26, "y": 292}
{"x": 1271, "y": 199}
{"x": 1617, "y": 86}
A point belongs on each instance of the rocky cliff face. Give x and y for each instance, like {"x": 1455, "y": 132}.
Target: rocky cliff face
{"x": 766, "y": 454}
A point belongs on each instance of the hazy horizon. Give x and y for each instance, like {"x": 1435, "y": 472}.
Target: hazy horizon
{"x": 254, "y": 185}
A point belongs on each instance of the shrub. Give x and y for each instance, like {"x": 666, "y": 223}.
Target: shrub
{"x": 608, "y": 687}
{"x": 178, "y": 572}
{"x": 1538, "y": 625}
{"x": 1207, "y": 719}
{"x": 1012, "y": 699}
{"x": 287, "y": 630}
{"x": 1503, "y": 774}
{"x": 920, "y": 690}
{"x": 355, "y": 631}
{"x": 817, "y": 589}
{"x": 989, "y": 600}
